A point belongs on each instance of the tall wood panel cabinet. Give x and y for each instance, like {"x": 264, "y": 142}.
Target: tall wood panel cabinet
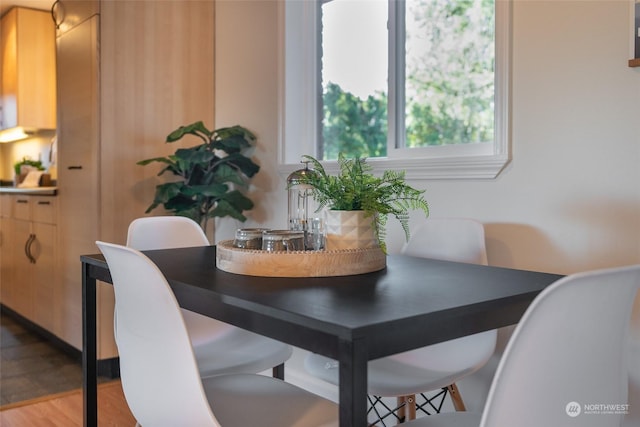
{"x": 78, "y": 150}
{"x": 129, "y": 73}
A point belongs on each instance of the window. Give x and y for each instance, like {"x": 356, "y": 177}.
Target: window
{"x": 428, "y": 99}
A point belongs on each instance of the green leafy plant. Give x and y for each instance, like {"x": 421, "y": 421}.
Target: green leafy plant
{"x": 27, "y": 162}
{"x": 210, "y": 174}
{"x": 356, "y": 188}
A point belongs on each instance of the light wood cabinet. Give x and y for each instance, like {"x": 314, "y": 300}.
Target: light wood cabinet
{"x": 127, "y": 77}
{"x": 5, "y": 205}
{"x": 5, "y": 214}
{"x": 27, "y": 60}
{"x": 77, "y": 167}
{"x": 28, "y": 257}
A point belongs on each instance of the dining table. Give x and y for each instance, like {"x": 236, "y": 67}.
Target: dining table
{"x": 410, "y": 303}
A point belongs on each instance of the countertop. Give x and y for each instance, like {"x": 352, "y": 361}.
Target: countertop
{"x": 36, "y": 191}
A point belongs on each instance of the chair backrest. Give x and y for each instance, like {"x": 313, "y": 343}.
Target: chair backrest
{"x": 449, "y": 239}
{"x": 161, "y": 232}
{"x": 567, "y": 351}
{"x": 159, "y": 373}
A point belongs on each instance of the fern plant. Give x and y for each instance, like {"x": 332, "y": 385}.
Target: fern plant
{"x": 356, "y": 188}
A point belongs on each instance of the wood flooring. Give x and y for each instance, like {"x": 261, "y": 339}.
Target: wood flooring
{"x": 65, "y": 410}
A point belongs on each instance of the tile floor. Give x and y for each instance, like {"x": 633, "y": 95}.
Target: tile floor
{"x": 31, "y": 367}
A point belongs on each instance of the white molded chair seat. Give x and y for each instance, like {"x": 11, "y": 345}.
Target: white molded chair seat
{"x": 436, "y": 366}
{"x": 569, "y": 346}
{"x": 416, "y": 371}
{"x": 219, "y": 347}
{"x": 231, "y": 349}
{"x": 154, "y": 338}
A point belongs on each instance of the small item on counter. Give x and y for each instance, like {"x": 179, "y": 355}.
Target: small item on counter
{"x": 32, "y": 179}
{"x": 23, "y": 167}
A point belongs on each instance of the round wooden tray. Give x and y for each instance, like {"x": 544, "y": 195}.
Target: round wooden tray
{"x": 252, "y": 262}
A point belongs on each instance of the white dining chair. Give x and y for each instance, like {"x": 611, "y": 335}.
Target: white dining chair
{"x": 566, "y": 357}
{"x": 218, "y": 346}
{"x": 151, "y": 335}
{"x": 437, "y": 366}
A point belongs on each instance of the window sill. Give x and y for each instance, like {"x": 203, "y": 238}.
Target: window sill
{"x": 468, "y": 167}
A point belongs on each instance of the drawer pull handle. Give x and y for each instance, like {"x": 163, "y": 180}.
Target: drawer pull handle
{"x": 44, "y": 202}
{"x": 27, "y": 248}
{"x": 22, "y": 201}
{"x": 74, "y": 167}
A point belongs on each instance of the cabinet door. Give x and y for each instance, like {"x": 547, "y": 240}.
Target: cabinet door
{"x": 18, "y": 284}
{"x": 27, "y": 59}
{"x": 8, "y": 70}
{"x": 5, "y": 245}
{"x": 43, "y": 209}
{"x": 6, "y": 255}
{"x": 42, "y": 284}
{"x": 77, "y": 198}
{"x": 5, "y": 205}
{"x": 22, "y": 207}
{"x": 14, "y": 267}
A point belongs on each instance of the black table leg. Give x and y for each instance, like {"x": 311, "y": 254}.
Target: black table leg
{"x": 89, "y": 343}
{"x": 278, "y": 371}
{"x": 353, "y": 384}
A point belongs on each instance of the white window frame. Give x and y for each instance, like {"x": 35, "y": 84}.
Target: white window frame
{"x": 300, "y": 105}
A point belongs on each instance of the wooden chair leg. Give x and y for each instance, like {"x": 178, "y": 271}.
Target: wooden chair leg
{"x": 411, "y": 406}
{"x": 407, "y": 405}
{"x": 401, "y": 404}
{"x": 456, "y": 398}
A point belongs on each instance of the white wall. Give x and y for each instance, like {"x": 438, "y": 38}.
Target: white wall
{"x": 569, "y": 200}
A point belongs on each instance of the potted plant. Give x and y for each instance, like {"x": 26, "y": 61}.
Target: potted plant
{"x": 361, "y": 202}
{"x": 23, "y": 167}
{"x": 209, "y": 174}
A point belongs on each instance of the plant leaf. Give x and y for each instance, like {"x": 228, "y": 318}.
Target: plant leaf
{"x": 241, "y": 163}
{"x": 190, "y": 155}
{"x": 227, "y": 132}
{"x": 155, "y": 159}
{"x": 198, "y": 128}
{"x": 215, "y": 191}
{"x": 224, "y": 173}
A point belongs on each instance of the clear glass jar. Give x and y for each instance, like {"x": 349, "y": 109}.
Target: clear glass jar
{"x": 249, "y": 238}
{"x": 283, "y": 240}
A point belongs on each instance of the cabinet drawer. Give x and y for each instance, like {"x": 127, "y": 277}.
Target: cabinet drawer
{"x": 5, "y": 205}
{"x": 34, "y": 208}
{"x": 22, "y": 207}
{"x": 43, "y": 209}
